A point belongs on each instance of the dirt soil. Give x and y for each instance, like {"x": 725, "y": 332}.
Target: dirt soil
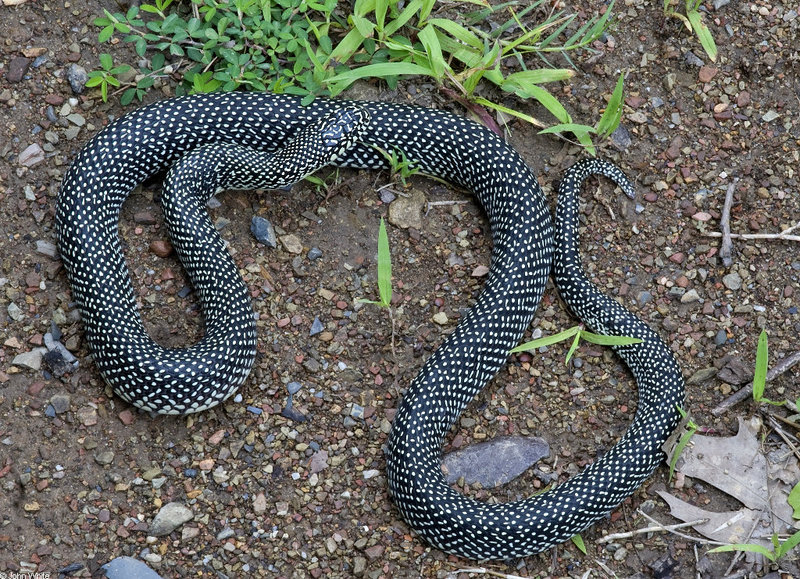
{"x": 83, "y": 473}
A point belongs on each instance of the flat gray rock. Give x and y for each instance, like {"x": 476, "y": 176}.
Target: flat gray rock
{"x": 127, "y": 567}
{"x": 495, "y": 462}
{"x": 170, "y": 517}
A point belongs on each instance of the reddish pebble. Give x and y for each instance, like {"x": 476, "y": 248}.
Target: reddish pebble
{"x": 341, "y": 304}
{"x": 283, "y": 322}
{"x": 126, "y": 417}
{"x": 161, "y": 247}
{"x": 650, "y": 197}
{"x": 217, "y": 437}
{"x": 54, "y": 99}
{"x": 35, "y": 388}
{"x": 707, "y": 73}
{"x": 677, "y": 257}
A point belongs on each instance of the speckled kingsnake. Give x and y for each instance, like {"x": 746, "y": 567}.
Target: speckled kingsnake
{"x": 239, "y": 126}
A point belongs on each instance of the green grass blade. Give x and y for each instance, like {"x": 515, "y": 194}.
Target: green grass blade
{"x": 749, "y": 547}
{"x": 509, "y": 111}
{"x": 457, "y": 31}
{"x": 346, "y": 47}
{"x": 549, "y": 102}
{"x": 574, "y": 347}
{"x": 602, "y": 340}
{"x": 788, "y": 545}
{"x": 685, "y": 438}
{"x": 381, "y": 70}
{"x": 703, "y": 34}
{"x": 427, "y": 36}
{"x": 794, "y": 501}
{"x": 613, "y": 113}
{"x": 546, "y": 340}
{"x": 578, "y": 540}
{"x": 762, "y": 357}
{"x": 408, "y": 12}
{"x": 384, "y": 266}
{"x": 567, "y": 128}
{"x": 525, "y": 78}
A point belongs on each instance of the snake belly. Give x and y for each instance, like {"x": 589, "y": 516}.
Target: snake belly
{"x": 177, "y": 381}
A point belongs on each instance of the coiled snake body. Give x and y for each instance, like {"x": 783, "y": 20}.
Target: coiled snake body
{"x": 241, "y": 140}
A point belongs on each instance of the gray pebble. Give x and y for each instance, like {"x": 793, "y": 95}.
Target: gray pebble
{"x": 621, "y": 138}
{"x": 692, "y": 59}
{"x": 357, "y": 411}
{"x": 60, "y": 402}
{"x": 263, "y": 231}
{"x": 170, "y": 517}
{"x": 225, "y": 533}
{"x": 386, "y": 196}
{"x": 77, "y": 77}
{"x": 643, "y": 298}
{"x": 720, "y": 3}
{"x": 293, "y": 387}
{"x": 314, "y": 253}
{"x": 316, "y": 327}
{"x": 32, "y": 359}
{"x": 721, "y": 337}
{"x": 690, "y": 296}
{"x": 732, "y": 281}
{"x": 15, "y": 312}
{"x": 104, "y": 457}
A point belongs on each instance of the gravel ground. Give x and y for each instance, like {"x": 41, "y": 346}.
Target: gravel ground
{"x": 255, "y": 489}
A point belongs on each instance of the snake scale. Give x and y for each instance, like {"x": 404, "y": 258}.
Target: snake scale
{"x": 244, "y": 140}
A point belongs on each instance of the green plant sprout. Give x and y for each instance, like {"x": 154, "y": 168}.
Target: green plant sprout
{"x": 693, "y": 22}
{"x": 400, "y": 165}
{"x": 308, "y": 48}
{"x": 107, "y": 75}
{"x": 384, "y": 278}
{"x": 607, "y": 124}
{"x": 578, "y": 540}
{"x": 760, "y": 375}
{"x": 576, "y": 332}
{"x": 691, "y": 428}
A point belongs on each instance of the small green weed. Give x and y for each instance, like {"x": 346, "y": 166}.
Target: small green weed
{"x": 106, "y": 76}
{"x": 384, "y": 279}
{"x": 384, "y": 270}
{"x": 400, "y": 165}
{"x": 576, "y": 333}
{"x": 693, "y": 21}
{"x": 578, "y": 540}
{"x": 605, "y": 126}
{"x": 760, "y": 375}
{"x": 691, "y": 428}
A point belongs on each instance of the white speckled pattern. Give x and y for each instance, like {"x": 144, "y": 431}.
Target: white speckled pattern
{"x": 212, "y": 137}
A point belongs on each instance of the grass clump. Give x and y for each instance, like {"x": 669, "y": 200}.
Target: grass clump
{"x": 312, "y": 48}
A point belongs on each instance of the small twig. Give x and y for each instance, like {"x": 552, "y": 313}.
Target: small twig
{"x": 726, "y": 247}
{"x": 746, "y": 391}
{"x": 452, "y": 202}
{"x": 783, "y": 366}
{"x": 786, "y": 438}
{"x": 682, "y": 535}
{"x": 782, "y": 236}
{"x": 651, "y": 529}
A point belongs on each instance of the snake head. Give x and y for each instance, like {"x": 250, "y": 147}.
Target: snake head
{"x": 343, "y": 128}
